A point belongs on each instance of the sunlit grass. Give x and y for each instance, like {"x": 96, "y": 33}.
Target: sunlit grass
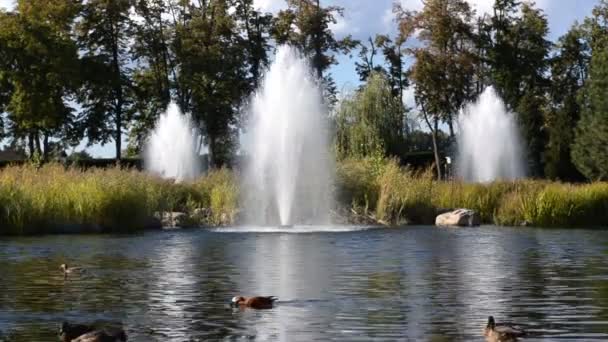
{"x": 399, "y": 195}
{"x": 34, "y": 200}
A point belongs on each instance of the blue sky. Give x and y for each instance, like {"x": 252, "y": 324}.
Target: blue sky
{"x": 364, "y": 18}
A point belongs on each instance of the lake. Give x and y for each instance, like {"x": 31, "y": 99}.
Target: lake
{"x": 338, "y": 283}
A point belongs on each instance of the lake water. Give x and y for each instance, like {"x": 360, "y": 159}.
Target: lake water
{"x": 414, "y": 283}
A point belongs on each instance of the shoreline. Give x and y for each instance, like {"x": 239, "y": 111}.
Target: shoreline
{"x": 53, "y": 199}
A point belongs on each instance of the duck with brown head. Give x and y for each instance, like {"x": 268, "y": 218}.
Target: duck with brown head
{"x": 258, "y": 302}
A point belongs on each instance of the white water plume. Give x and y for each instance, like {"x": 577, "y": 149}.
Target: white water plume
{"x": 288, "y": 173}
{"x": 489, "y": 144}
{"x": 171, "y": 148}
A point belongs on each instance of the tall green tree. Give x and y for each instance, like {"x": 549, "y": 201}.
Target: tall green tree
{"x": 37, "y": 75}
{"x": 306, "y": 25}
{"x": 589, "y": 151}
{"x": 104, "y": 34}
{"x": 213, "y": 73}
{"x": 443, "y": 70}
{"x": 369, "y": 123}
{"x": 569, "y": 71}
{"x": 517, "y": 56}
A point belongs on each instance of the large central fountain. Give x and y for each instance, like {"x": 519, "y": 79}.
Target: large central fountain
{"x": 287, "y": 178}
{"x": 489, "y": 146}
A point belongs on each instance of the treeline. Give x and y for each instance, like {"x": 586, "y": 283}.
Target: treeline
{"x": 558, "y": 89}
{"x": 98, "y": 69}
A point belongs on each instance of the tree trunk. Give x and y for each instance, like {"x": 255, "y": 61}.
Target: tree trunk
{"x": 434, "y": 138}
{"x": 119, "y": 100}
{"x": 37, "y": 142}
{"x": 211, "y": 157}
{"x": 45, "y": 145}
{"x": 30, "y": 143}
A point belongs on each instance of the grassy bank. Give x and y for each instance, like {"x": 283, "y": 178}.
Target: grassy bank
{"x": 38, "y": 200}
{"x": 397, "y": 195}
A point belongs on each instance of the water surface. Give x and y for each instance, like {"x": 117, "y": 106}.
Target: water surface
{"x": 415, "y": 283}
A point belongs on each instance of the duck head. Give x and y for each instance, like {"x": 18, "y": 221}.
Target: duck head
{"x": 63, "y": 267}
{"x": 491, "y": 323}
{"x": 237, "y": 300}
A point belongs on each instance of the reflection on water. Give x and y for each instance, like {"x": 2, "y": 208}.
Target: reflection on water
{"x": 419, "y": 283}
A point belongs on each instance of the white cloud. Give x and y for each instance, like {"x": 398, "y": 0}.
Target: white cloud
{"x": 343, "y": 26}
{"x": 268, "y": 5}
{"x": 7, "y": 4}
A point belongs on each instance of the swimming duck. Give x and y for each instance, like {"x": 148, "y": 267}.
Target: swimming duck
{"x": 103, "y": 335}
{"x": 68, "y": 332}
{"x": 501, "y": 332}
{"x": 258, "y": 302}
{"x": 70, "y": 270}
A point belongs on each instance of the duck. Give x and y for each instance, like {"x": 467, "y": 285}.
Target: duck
{"x": 501, "y": 332}
{"x": 70, "y": 270}
{"x": 103, "y": 335}
{"x": 258, "y": 302}
{"x": 68, "y": 332}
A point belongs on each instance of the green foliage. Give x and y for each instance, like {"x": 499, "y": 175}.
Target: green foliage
{"x": 517, "y": 56}
{"x": 569, "y": 69}
{"x": 33, "y": 200}
{"x": 37, "y": 76}
{"x": 370, "y": 123}
{"x": 357, "y": 183}
{"x": 404, "y": 197}
{"x": 306, "y": 25}
{"x": 107, "y": 98}
{"x": 442, "y": 72}
{"x": 589, "y": 151}
{"x": 398, "y": 195}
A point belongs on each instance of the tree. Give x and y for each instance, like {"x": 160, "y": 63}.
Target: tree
{"x": 517, "y": 56}
{"x": 104, "y": 32}
{"x": 589, "y": 151}
{"x": 444, "y": 66}
{"x": 370, "y": 122}
{"x": 569, "y": 71}
{"x": 305, "y": 24}
{"x": 37, "y": 77}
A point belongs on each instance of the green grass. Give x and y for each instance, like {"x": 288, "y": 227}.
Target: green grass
{"x": 33, "y": 201}
{"x": 398, "y": 195}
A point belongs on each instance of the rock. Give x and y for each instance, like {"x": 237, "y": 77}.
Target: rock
{"x": 174, "y": 219}
{"x": 458, "y": 218}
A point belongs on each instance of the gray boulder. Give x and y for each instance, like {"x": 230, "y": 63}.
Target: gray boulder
{"x": 174, "y": 219}
{"x": 458, "y": 218}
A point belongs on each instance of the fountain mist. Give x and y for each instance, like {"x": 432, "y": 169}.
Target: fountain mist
{"x": 288, "y": 178}
{"x": 171, "y": 148}
{"x": 489, "y": 145}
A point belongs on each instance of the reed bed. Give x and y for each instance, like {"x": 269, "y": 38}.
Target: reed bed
{"x": 398, "y": 195}
{"x": 35, "y": 200}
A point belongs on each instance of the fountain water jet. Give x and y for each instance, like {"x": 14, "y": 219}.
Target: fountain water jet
{"x": 171, "y": 148}
{"x": 287, "y": 177}
{"x": 489, "y": 146}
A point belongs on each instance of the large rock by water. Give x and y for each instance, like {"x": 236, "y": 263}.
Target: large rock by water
{"x": 174, "y": 219}
{"x": 458, "y": 218}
